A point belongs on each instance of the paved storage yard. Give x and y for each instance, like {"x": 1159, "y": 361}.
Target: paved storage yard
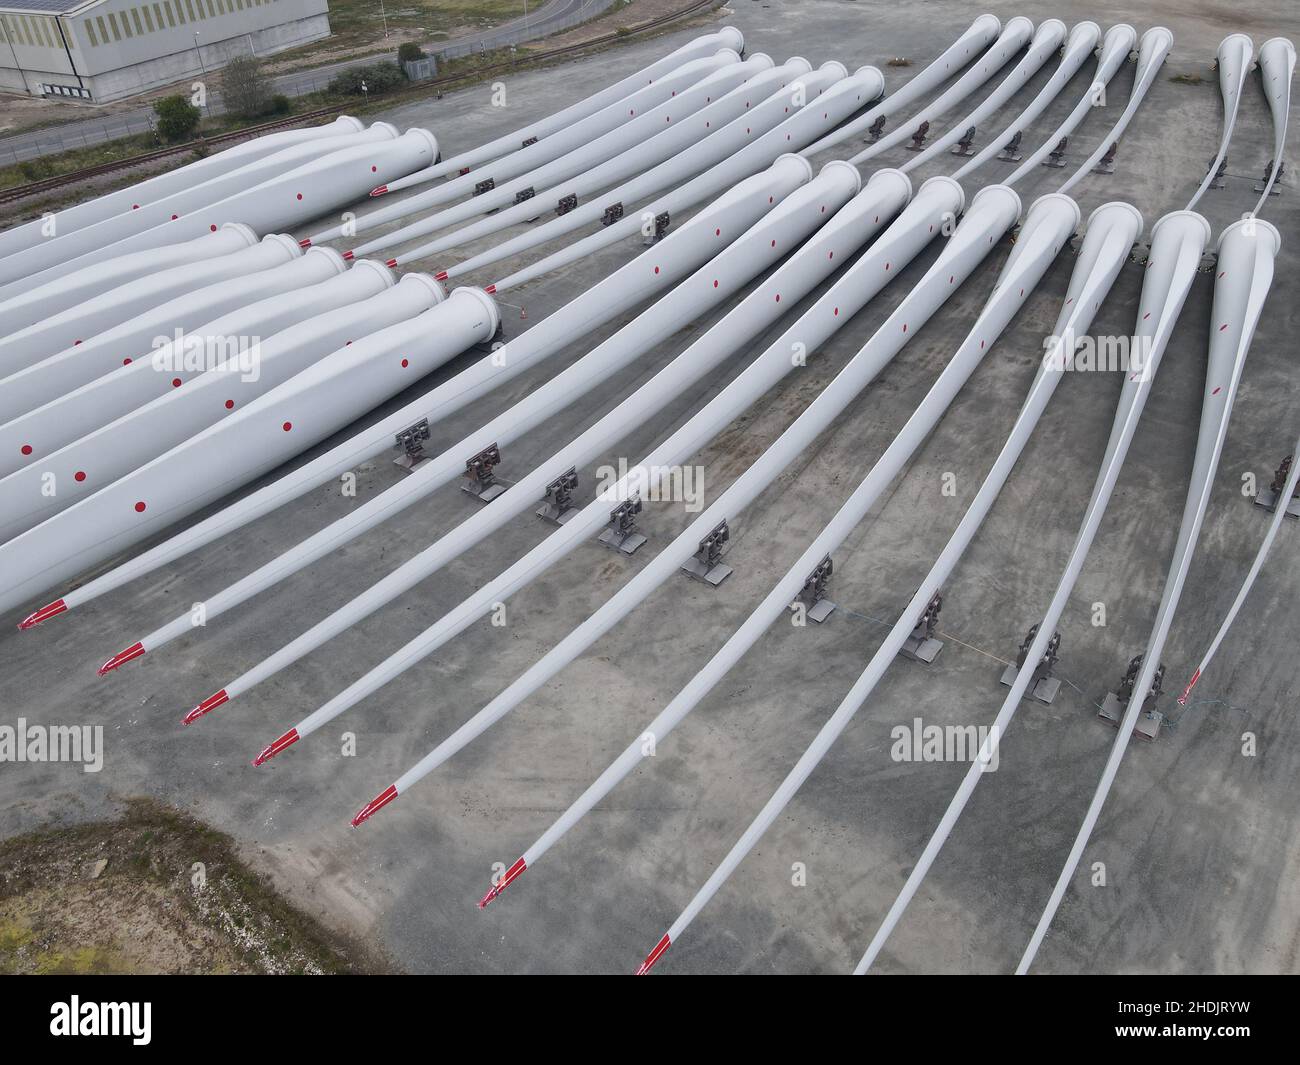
{"x": 1201, "y": 844}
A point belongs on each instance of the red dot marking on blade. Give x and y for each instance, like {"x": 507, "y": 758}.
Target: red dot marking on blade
{"x": 27, "y": 449}
{"x": 406, "y": 363}
{"x": 287, "y": 426}
{"x": 79, "y": 476}
{"x": 300, "y": 195}
{"x": 213, "y": 228}
{"x": 139, "y": 507}
{"x": 230, "y": 404}
{"x": 126, "y": 362}
{"x": 176, "y": 382}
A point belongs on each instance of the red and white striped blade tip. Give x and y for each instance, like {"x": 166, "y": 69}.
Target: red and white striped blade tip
{"x": 209, "y": 704}
{"x": 44, "y": 614}
{"x": 121, "y": 658}
{"x": 654, "y": 955}
{"x": 508, "y": 878}
{"x": 379, "y": 191}
{"x": 287, "y": 740}
{"x": 305, "y": 242}
{"x": 375, "y": 805}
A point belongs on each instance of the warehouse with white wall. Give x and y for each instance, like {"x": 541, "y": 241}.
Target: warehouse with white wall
{"x": 108, "y": 49}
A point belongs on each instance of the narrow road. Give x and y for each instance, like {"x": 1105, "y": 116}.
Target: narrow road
{"x": 550, "y": 17}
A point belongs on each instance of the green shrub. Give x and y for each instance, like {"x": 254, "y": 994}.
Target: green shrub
{"x": 177, "y": 118}
{"x": 379, "y": 78}
{"x": 409, "y": 52}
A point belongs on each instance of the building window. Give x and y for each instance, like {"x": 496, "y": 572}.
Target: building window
{"x": 135, "y": 17}
{"x": 112, "y": 22}
{"x": 90, "y": 33}
{"x": 167, "y": 11}
{"x": 148, "y": 20}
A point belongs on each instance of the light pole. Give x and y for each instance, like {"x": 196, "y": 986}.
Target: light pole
{"x": 199, "y": 52}
{"x": 383, "y": 15}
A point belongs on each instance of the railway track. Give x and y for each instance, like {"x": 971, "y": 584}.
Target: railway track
{"x": 35, "y": 188}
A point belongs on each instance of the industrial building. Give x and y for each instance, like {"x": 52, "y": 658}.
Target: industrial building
{"x": 105, "y": 50}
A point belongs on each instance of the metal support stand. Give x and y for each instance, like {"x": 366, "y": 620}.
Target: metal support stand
{"x": 411, "y": 441}
{"x": 1011, "y": 151}
{"x": 921, "y": 646}
{"x": 813, "y": 596}
{"x": 622, "y": 533}
{"x": 1221, "y": 175}
{"x": 1276, "y": 190}
{"x": 1268, "y": 498}
{"x": 558, "y": 506}
{"x": 966, "y": 146}
{"x": 1056, "y": 157}
{"x": 1149, "y": 720}
{"x": 1044, "y": 686}
{"x": 876, "y": 130}
{"x": 918, "y": 138}
{"x": 612, "y": 214}
{"x": 706, "y": 565}
{"x": 481, "y": 480}
{"x": 662, "y": 221}
{"x": 566, "y": 204}
{"x": 1107, "y": 164}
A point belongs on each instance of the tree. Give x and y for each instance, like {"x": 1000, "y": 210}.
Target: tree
{"x": 409, "y": 52}
{"x": 177, "y": 118}
{"x": 245, "y": 89}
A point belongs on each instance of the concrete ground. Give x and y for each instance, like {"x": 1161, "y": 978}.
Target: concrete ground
{"x": 1200, "y": 843}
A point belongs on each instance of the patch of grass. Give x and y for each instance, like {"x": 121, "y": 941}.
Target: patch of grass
{"x": 204, "y": 909}
{"x": 1187, "y": 79}
{"x": 47, "y": 166}
{"x": 359, "y": 21}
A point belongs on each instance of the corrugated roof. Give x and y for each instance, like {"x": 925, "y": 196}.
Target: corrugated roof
{"x": 48, "y": 7}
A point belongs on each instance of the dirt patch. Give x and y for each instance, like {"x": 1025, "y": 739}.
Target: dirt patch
{"x": 154, "y": 892}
